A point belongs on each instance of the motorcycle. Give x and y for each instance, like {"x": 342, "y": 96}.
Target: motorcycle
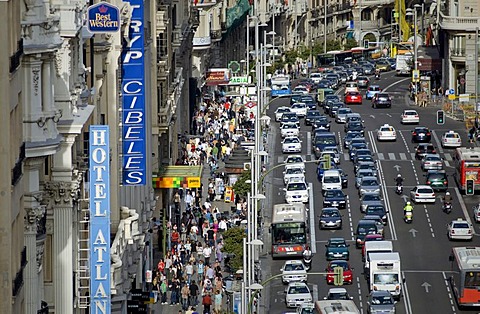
{"x": 377, "y": 76}
{"x": 447, "y": 207}
{"x": 307, "y": 260}
{"x": 399, "y": 189}
{"x": 408, "y": 217}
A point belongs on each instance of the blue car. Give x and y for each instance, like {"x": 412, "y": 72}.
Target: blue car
{"x": 322, "y": 167}
{"x": 372, "y": 90}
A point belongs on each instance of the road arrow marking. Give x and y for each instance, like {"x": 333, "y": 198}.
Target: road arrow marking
{"x": 405, "y": 198}
{"x": 372, "y": 116}
{"x": 427, "y": 286}
{"x": 389, "y": 115}
{"x": 397, "y": 167}
{"x": 414, "y": 234}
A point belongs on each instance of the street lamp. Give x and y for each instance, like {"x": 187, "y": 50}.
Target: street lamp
{"x": 247, "y": 283}
{"x": 415, "y": 49}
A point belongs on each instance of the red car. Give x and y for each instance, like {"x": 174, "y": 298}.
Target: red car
{"x": 370, "y": 237}
{"x": 353, "y": 98}
{"x": 347, "y": 271}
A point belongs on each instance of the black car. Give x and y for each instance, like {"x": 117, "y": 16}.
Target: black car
{"x": 421, "y": 134}
{"x": 424, "y": 148}
{"x": 350, "y": 136}
{"x": 378, "y": 210}
{"x": 310, "y": 115}
{"x": 321, "y": 122}
{"x": 360, "y": 152}
{"x": 330, "y": 218}
{"x": 382, "y": 100}
{"x": 329, "y": 99}
{"x": 289, "y": 117}
{"x": 309, "y": 101}
{"x": 296, "y": 98}
{"x": 334, "y": 198}
{"x": 355, "y": 146}
{"x": 364, "y": 227}
{"x": 334, "y": 108}
{"x": 354, "y": 126}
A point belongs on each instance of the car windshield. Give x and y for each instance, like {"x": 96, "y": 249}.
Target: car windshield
{"x": 375, "y": 210}
{"x": 344, "y": 110}
{"x": 331, "y": 179}
{"x": 354, "y": 125}
{"x": 298, "y": 290}
{"x": 337, "y": 243}
{"x": 382, "y": 300}
{"x": 367, "y": 230}
{"x": 289, "y": 140}
{"x": 371, "y": 197}
{"x": 339, "y": 264}
{"x": 369, "y": 182}
{"x": 461, "y": 225}
{"x": 293, "y": 267}
{"x": 281, "y": 110}
{"x": 294, "y": 159}
{"x": 325, "y": 140}
{"x": 436, "y": 176}
{"x": 289, "y": 126}
{"x": 433, "y": 158}
{"x": 374, "y": 88}
{"x": 313, "y": 113}
{"x": 307, "y": 98}
{"x": 334, "y": 193}
{"x": 296, "y": 187}
{"x": 410, "y": 113}
{"x": 294, "y": 171}
{"x": 338, "y": 296}
{"x": 330, "y": 213}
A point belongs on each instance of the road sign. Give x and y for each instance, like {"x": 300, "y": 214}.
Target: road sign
{"x": 234, "y": 66}
{"x": 416, "y": 75}
{"x": 451, "y": 91}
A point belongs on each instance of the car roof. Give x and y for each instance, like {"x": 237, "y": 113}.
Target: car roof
{"x": 293, "y": 261}
{"x": 424, "y": 187}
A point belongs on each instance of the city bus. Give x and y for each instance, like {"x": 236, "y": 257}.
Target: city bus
{"x": 465, "y": 276}
{"x": 361, "y": 53}
{"x": 280, "y": 85}
{"x": 334, "y": 57}
{"x": 289, "y": 230}
{"x": 467, "y": 166}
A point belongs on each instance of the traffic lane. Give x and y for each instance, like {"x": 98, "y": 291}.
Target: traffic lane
{"x": 430, "y": 292}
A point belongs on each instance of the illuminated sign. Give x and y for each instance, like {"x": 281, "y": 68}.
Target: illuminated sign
{"x": 103, "y": 17}
{"x": 176, "y": 182}
{"x": 99, "y": 219}
{"x": 133, "y": 100}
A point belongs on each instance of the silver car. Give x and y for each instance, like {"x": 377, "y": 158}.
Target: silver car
{"x": 363, "y": 173}
{"x": 369, "y": 199}
{"x": 381, "y": 301}
{"x": 341, "y": 116}
{"x": 432, "y": 162}
{"x": 369, "y": 185}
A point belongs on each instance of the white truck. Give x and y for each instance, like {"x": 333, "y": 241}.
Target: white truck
{"x": 336, "y": 307}
{"x": 372, "y": 247}
{"x": 386, "y": 273}
{"x": 402, "y": 64}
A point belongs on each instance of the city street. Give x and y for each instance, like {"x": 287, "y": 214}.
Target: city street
{"x": 423, "y": 245}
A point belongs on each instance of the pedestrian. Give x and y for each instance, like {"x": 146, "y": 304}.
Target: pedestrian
{"x": 185, "y": 293}
{"x": 200, "y": 270}
{"x": 218, "y": 301}
{"x": 174, "y": 292}
{"x": 193, "y": 293}
{"x": 156, "y": 287}
{"x": 207, "y": 303}
{"x": 471, "y": 134}
{"x": 189, "y": 272}
{"x": 163, "y": 291}
{"x": 176, "y": 200}
{"x": 207, "y": 252}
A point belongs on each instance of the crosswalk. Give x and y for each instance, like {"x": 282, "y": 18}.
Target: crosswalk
{"x": 379, "y": 156}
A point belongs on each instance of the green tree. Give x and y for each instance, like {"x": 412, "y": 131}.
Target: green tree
{"x": 333, "y": 44}
{"x": 241, "y": 187}
{"x": 350, "y": 43}
{"x": 291, "y": 56}
{"x": 233, "y": 240}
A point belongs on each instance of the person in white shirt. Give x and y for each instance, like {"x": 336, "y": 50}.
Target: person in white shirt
{"x": 222, "y": 225}
{"x": 207, "y": 252}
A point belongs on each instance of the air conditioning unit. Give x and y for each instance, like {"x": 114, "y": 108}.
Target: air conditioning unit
{"x": 247, "y": 165}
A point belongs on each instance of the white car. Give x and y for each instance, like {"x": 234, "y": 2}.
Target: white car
{"x": 351, "y": 87}
{"x": 341, "y": 116}
{"x": 297, "y": 293}
{"x": 295, "y": 159}
{"x": 300, "y": 89}
{"x": 460, "y": 229}
{"x": 334, "y": 155}
{"x": 410, "y": 116}
{"x": 300, "y": 108}
{"x": 432, "y": 162}
{"x": 386, "y": 133}
{"x": 289, "y": 129}
{"x": 293, "y": 270}
{"x": 291, "y": 144}
{"x": 422, "y": 194}
{"x": 451, "y": 139}
{"x": 296, "y": 192}
{"x": 281, "y": 110}
{"x": 331, "y": 180}
{"x": 293, "y": 172}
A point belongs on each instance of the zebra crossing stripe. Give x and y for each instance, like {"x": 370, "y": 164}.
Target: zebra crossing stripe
{"x": 391, "y": 156}
{"x": 412, "y": 156}
{"x": 380, "y": 156}
{"x": 403, "y": 156}
{"x": 448, "y": 157}
{"x": 346, "y": 156}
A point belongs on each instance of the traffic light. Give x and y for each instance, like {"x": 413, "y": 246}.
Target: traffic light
{"x": 440, "y": 117}
{"x": 327, "y": 161}
{"x": 470, "y": 189}
{"x": 365, "y": 43}
{"x": 338, "y": 276}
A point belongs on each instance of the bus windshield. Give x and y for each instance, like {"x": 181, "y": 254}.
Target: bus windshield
{"x": 289, "y": 233}
{"x": 472, "y": 279}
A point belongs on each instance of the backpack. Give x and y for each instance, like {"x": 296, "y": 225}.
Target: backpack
{"x": 207, "y": 300}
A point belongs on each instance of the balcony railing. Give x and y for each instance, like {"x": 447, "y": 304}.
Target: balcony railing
{"x": 17, "y": 282}
{"x": 459, "y": 23}
{"x": 15, "y": 58}
{"x": 457, "y": 52}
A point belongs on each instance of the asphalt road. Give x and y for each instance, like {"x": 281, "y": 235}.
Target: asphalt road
{"x": 423, "y": 245}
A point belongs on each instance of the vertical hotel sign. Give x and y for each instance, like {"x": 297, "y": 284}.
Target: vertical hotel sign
{"x": 99, "y": 167}
{"x": 133, "y": 99}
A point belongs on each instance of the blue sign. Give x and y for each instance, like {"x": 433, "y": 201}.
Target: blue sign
{"x": 451, "y": 91}
{"x": 99, "y": 167}
{"x": 133, "y": 100}
{"x": 280, "y": 92}
{"x": 103, "y": 17}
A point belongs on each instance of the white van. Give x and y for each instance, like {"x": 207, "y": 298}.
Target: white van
{"x": 331, "y": 180}
{"x": 375, "y": 247}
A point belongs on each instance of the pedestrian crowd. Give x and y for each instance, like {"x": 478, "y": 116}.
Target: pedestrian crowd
{"x": 190, "y": 273}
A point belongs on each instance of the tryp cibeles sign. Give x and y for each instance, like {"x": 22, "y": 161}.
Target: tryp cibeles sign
{"x": 134, "y": 159}
{"x": 99, "y": 167}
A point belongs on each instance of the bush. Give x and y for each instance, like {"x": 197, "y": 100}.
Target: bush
{"x": 241, "y": 187}
{"x": 233, "y": 240}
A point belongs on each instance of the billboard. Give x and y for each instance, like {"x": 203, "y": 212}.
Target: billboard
{"x": 134, "y": 159}
{"x": 99, "y": 242}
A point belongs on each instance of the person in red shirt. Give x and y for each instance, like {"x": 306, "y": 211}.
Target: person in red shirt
{"x": 175, "y": 238}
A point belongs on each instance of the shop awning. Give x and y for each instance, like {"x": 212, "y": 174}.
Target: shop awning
{"x": 178, "y": 177}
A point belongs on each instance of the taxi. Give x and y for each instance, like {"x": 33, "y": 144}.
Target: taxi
{"x": 451, "y": 139}
{"x": 460, "y": 229}
{"x": 386, "y": 133}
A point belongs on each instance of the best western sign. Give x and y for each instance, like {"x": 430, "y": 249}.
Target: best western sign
{"x": 103, "y": 18}
{"x": 99, "y": 167}
{"x": 133, "y": 100}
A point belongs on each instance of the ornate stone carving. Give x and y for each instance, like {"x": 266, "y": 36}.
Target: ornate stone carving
{"x": 35, "y": 79}
{"x": 40, "y": 250}
{"x": 49, "y": 226}
{"x": 33, "y": 218}
{"x": 62, "y": 192}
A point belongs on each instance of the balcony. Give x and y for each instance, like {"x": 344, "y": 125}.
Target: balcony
{"x": 368, "y": 25}
{"x": 458, "y": 23}
{"x": 202, "y": 43}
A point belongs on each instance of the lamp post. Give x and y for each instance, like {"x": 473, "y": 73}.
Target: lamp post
{"x": 415, "y": 49}
{"x": 325, "y": 26}
{"x": 476, "y": 76}
{"x": 247, "y": 282}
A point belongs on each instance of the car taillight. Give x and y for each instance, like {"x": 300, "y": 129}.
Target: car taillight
{"x": 445, "y": 182}
{"x": 434, "y": 151}
{"x": 428, "y": 182}
{"x": 414, "y": 133}
{"x": 416, "y": 116}
{"x": 416, "y": 194}
{"x": 428, "y": 133}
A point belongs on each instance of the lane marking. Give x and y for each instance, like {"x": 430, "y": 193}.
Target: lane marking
{"x": 350, "y": 219}
{"x": 315, "y": 292}
{"x": 359, "y": 288}
{"x": 440, "y": 149}
{"x": 403, "y": 156}
{"x": 464, "y": 208}
{"x": 309, "y": 140}
{"x": 449, "y": 292}
{"x": 311, "y": 206}
{"x": 391, "y": 156}
{"x": 395, "y": 83}
{"x": 380, "y": 156}
{"x": 406, "y": 299}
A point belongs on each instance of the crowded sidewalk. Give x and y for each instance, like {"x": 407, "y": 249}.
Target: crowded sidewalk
{"x": 189, "y": 276}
